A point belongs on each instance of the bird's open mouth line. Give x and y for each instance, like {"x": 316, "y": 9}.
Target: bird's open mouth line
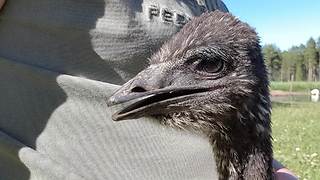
{"x": 161, "y": 99}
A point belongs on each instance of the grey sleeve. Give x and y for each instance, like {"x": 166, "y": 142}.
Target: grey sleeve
{"x": 212, "y": 5}
{"x": 57, "y": 126}
{"x": 59, "y": 62}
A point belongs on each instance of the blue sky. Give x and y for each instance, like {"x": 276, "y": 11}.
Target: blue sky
{"x": 281, "y": 22}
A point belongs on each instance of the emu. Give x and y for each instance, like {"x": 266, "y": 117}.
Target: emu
{"x": 210, "y": 78}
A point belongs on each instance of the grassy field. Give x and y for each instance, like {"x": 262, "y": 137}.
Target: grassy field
{"x": 296, "y": 86}
{"x": 296, "y": 133}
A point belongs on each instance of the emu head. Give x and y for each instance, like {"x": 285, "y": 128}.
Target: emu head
{"x": 209, "y": 76}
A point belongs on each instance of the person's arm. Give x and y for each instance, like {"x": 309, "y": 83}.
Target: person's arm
{"x": 281, "y": 172}
{"x": 2, "y": 3}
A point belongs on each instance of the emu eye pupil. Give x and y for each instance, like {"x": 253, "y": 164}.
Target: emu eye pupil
{"x": 211, "y": 66}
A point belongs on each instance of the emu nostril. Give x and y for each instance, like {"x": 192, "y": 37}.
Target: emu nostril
{"x": 138, "y": 89}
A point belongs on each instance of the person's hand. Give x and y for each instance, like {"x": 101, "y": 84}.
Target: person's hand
{"x": 2, "y": 3}
{"x": 282, "y": 173}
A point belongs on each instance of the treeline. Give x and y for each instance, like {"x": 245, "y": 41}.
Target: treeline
{"x": 299, "y": 63}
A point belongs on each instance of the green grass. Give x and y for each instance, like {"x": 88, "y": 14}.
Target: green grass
{"x": 301, "y": 86}
{"x": 296, "y": 133}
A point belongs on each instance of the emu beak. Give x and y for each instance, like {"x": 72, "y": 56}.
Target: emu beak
{"x": 146, "y": 97}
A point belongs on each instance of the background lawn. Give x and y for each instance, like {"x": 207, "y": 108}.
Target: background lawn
{"x": 297, "y": 86}
{"x": 296, "y": 133}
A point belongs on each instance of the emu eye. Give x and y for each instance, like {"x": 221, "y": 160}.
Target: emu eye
{"x": 210, "y": 66}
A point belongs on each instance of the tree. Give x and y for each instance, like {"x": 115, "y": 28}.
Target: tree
{"x": 286, "y": 66}
{"x": 318, "y": 48}
{"x": 272, "y": 57}
{"x": 293, "y": 66}
{"x": 311, "y": 59}
{"x": 298, "y": 58}
{"x": 289, "y": 65}
{"x": 298, "y": 63}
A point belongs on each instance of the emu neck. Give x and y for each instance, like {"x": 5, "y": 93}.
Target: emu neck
{"x": 244, "y": 150}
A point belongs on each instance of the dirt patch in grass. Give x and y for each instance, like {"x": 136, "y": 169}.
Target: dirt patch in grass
{"x": 287, "y": 93}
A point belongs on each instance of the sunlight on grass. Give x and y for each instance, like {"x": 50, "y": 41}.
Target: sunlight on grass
{"x": 296, "y": 129}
